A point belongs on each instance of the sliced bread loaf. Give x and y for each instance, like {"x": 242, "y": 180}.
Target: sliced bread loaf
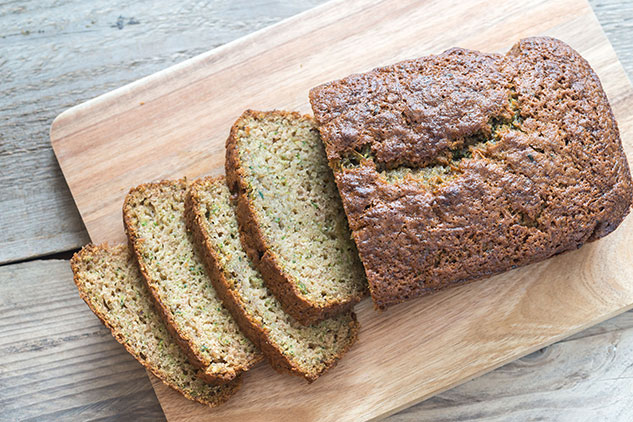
{"x": 290, "y": 214}
{"x": 154, "y": 217}
{"x": 109, "y": 281}
{"x": 466, "y": 164}
{"x": 290, "y": 346}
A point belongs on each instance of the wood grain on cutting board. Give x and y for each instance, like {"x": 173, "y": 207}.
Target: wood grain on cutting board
{"x": 174, "y": 124}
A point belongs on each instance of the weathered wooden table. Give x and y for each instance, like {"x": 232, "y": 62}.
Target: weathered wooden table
{"x": 56, "y": 359}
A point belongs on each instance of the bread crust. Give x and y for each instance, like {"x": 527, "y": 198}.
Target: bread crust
{"x": 255, "y": 243}
{"x": 185, "y": 342}
{"x": 227, "y": 389}
{"x": 525, "y": 144}
{"x": 247, "y": 324}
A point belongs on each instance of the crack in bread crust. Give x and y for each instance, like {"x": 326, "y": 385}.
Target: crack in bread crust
{"x": 445, "y": 166}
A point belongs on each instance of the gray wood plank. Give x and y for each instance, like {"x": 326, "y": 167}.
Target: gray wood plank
{"x": 58, "y": 361}
{"x": 616, "y": 18}
{"x": 55, "y": 54}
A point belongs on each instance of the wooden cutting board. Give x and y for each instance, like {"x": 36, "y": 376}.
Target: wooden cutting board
{"x": 174, "y": 123}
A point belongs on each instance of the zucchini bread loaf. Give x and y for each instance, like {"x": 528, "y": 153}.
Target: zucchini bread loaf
{"x": 307, "y": 351}
{"x": 109, "y": 281}
{"x": 291, "y": 218}
{"x": 154, "y": 217}
{"x": 466, "y": 164}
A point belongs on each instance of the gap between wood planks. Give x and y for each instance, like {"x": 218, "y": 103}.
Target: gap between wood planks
{"x": 66, "y": 255}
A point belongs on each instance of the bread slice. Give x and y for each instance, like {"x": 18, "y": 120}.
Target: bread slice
{"x": 290, "y": 215}
{"x": 110, "y": 283}
{"x": 290, "y": 346}
{"x": 154, "y": 217}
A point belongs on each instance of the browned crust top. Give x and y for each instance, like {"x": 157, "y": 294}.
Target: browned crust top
{"x": 466, "y": 164}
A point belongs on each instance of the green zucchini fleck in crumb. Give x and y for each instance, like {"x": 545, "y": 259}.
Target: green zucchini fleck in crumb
{"x": 302, "y": 288}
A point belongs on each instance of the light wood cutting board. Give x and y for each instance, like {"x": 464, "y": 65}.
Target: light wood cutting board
{"x": 174, "y": 123}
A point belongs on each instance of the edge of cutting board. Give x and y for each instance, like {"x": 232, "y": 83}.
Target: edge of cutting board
{"x": 617, "y": 301}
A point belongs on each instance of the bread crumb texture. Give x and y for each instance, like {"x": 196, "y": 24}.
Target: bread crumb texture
{"x": 155, "y": 219}
{"x": 306, "y": 350}
{"x": 299, "y": 210}
{"x": 109, "y": 281}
